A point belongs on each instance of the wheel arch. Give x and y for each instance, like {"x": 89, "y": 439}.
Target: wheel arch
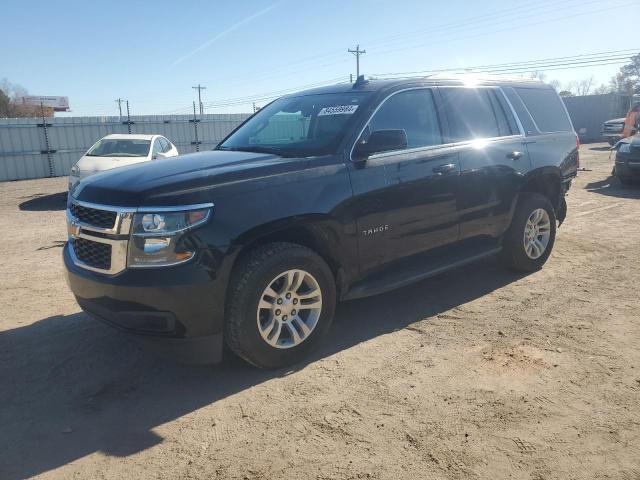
{"x": 320, "y": 233}
{"x": 547, "y": 181}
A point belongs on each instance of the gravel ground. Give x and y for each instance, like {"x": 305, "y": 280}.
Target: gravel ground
{"x": 478, "y": 373}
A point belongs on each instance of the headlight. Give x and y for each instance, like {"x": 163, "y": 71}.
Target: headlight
{"x": 625, "y": 148}
{"x": 75, "y": 171}
{"x": 158, "y": 238}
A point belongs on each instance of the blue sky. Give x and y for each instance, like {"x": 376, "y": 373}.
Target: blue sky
{"x": 152, "y": 53}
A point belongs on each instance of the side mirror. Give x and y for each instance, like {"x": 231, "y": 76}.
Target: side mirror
{"x": 159, "y": 155}
{"x": 381, "y": 141}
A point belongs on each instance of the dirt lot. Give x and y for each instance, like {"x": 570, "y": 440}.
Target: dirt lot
{"x": 478, "y": 373}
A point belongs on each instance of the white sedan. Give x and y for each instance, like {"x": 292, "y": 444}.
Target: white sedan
{"x": 118, "y": 150}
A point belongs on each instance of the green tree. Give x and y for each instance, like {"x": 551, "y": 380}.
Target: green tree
{"x": 627, "y": 80}
{"x": 5, "y": 104}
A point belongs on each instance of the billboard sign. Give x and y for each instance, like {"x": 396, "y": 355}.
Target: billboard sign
{"x": 59, "y": 104}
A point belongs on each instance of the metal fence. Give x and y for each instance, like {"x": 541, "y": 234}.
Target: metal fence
{"x": 589, "y": 112}
{"x": 33, "y": 148}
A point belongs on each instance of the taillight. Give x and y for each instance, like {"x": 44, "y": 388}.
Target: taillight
{"x": 577, "y": 151}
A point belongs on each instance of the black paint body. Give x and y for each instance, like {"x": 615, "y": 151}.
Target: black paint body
{"x": 364, "y": 218}
{"x": 628, "y": 163}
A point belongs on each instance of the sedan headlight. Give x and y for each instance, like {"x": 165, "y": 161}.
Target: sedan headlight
{"x": 158, "y": 238}
{"x": 625, "y": 148}
{"x": 75, "y": 171}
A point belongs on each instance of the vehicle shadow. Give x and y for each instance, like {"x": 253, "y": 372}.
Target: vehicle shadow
{"x": 45, "y": 203}
{"x": 72, "y": 387}
{"x": 612, "y": 187}
{"x": 600, "y": 149}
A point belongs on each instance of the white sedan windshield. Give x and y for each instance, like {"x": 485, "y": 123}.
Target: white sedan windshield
{"x": 110, "y": 147}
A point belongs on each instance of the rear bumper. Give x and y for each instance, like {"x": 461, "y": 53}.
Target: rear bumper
{"x": 176, "y": 306}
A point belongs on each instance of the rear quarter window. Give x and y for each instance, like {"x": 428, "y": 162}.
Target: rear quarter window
{"x": 546, "y": 108}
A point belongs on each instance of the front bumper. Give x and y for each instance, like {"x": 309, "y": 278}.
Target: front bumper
{"x": 628, "y": 166}
{"x": 176, "y": 305}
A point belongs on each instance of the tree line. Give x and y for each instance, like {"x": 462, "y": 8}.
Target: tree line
{"x": 11, "y": 105}
{"x": 625, "y": 82}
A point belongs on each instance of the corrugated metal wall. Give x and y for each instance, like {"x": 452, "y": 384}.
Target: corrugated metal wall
{"x": 589, "y": 112}
{"x": 23, "y": 145}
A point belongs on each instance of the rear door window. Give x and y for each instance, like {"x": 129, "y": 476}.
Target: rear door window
{"x": 414, "y": 112}
{"x": 521, "y": 111}
{"x": 546, "y": 109}
{"x": 472, "y": 114}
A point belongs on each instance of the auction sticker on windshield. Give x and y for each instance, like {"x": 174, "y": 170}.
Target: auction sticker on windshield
{"x": 338, "y": 110}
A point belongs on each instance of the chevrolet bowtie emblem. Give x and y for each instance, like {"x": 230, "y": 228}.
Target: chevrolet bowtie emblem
{"x": 73, "y": 229}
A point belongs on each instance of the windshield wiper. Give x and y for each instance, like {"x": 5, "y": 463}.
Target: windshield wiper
{"x": 258, "y": 149}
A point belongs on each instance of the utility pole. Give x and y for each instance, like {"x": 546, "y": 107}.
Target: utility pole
{"x": 357, "y": 52}
{"x": 119, "y": 102}
{"x": 195, "y": 127}
{"x": 128, "y": 119}
{"x": 200, "y": 88}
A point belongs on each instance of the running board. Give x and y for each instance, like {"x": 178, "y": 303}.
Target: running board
{"x": 417, "y": 269}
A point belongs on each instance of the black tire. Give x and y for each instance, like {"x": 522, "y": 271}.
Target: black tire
{"x": 249, "y": 279}
{"x": 514, "y": 254}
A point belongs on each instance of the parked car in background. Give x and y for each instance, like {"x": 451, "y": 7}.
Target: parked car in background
{"x": 118, "y": 150}
{"x": 612, "y": 130}
{"x": 330, "y": 194}
{"x": 627, "y": 167}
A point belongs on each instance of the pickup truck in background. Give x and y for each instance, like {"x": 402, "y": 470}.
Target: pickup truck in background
{"x": 612, "y": 130}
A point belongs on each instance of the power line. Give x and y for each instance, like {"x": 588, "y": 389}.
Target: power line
{"x": 540, "y": 63}
{"x": 611, "y": 57}
{"x": 294, "y": 66}
{"x": 512, "y": 26}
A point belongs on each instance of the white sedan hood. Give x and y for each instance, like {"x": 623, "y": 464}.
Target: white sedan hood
{"x": 90, "y": 165}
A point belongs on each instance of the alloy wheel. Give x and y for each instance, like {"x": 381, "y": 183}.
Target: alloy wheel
{"x": 289, "y": 309}
{"x": 537, "y": 232}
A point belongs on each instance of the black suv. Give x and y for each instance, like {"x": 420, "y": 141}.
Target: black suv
{"x": 329, "y": 194}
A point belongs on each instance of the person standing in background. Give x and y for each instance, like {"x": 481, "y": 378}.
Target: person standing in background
{"x": 631, "y": 121}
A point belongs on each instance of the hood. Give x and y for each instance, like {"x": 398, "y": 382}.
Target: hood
{"x": 180, "y": 180}
{"x": 88, "y": 164}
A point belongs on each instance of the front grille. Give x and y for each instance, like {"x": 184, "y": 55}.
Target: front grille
{"x": 613, "y": 127}
{"x": 94, "y": 254}
{"x": 93, "y": 217}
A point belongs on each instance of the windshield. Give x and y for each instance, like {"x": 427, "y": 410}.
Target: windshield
{"x": 111, "y": 147}
{"x": 304, "y": 126}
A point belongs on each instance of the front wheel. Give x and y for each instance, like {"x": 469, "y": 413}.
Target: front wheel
{"x": 530, "y": 238}
{"x": 280, "y": 305}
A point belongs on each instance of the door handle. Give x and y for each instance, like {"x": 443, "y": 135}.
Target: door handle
{"x": 443, "y": 169}
{"x": 515, "y": 155}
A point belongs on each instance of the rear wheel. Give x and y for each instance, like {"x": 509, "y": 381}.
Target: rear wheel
{"x": 531, "y": 236}
{"x": 281, "y": 303}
